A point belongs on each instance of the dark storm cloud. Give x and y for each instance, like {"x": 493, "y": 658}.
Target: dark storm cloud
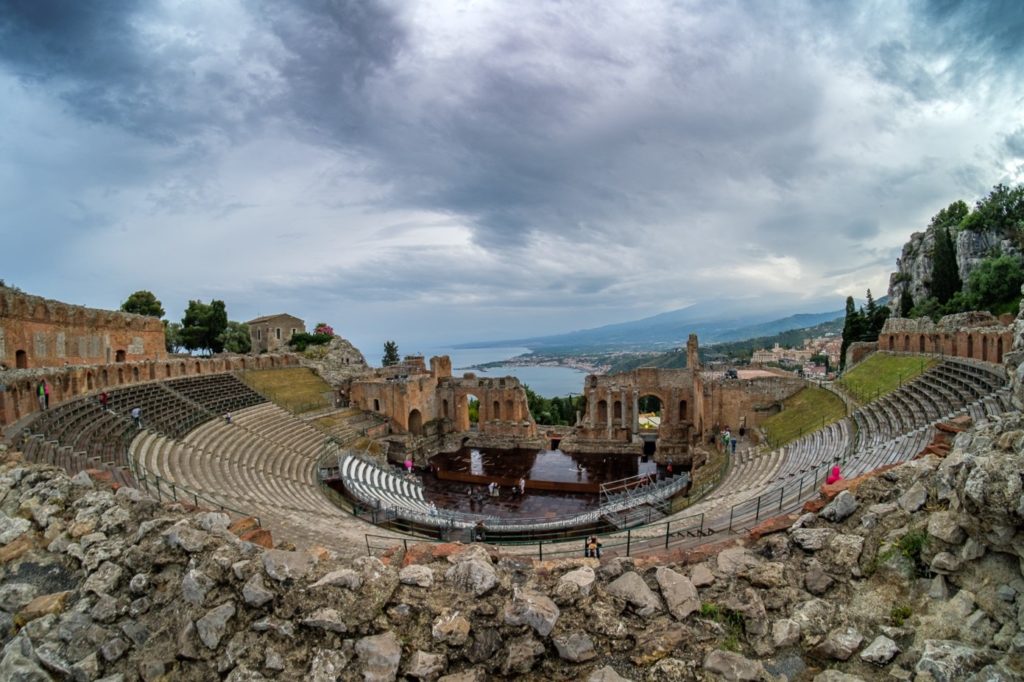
{"x": 1014, "y": 143}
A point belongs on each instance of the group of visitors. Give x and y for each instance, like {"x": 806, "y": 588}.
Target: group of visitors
{"x": 729, "y": 441}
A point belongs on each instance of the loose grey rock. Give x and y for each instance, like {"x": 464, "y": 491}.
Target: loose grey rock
{"x": 880, "y": 651}
{"x": 701, "y": 576}
{"x": 380, "y": 656}
{"x": 451, "y": 627}
{"x": 733, "y": 560}
{"x": 582, "y": 579}
{"x": 194, "y": 587}
{"x": 521, "y": 654}
{"x": 416, "y": 574}
{"x": 533, "y": 609}
{"x": 841, "y": 508}
{"x": 945, "y": 563}
{"x": 326, "y": 619}
{"x": 424, "y": 665}
{"x": 607, "y": 674}
{"x": 840, "y": 644}
{"x": 816, "y": 580}
{"x": 785, "y": 632}
{"x": 473, "y": 575}
{"x": 282, "y": 565}
{"x": 632, "y": 588}
{"x": 576, "y": 647}
{"x": 138, "y": 584}
{"x": 943, "y": 525}
{"x": 914, "y": 498}
{"x": 213, "y": 625}
{"x": 213, "y": 521}
{"x": 731, "y": 666}
{"x": 812, "y": 539}
{"x": 255, "y": 591}
{"x": 105, "y": 580}
{"x": 182, "y": 536}
{"x": 679, "y": 593}
{"x": 326, "y": 665}
{"x": 344, "y": 577}
{"x": 948, "y": 660}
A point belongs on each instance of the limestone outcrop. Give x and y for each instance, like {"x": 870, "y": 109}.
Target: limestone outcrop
{"x": 337, "y": 362}
{"x": 98, "y": 584}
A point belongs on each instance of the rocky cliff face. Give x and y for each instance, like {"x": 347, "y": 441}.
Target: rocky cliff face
{"x": 336, "y": 362}
{"x": 914, "y": 573}
{"x": 914, "y": 266}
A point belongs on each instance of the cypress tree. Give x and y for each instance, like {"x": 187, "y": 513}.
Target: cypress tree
{"x": 945, "y": 273}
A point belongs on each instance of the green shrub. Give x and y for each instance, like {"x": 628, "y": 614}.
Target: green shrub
{"x": 303, "y": 340}
{"x": 899, "y": 614}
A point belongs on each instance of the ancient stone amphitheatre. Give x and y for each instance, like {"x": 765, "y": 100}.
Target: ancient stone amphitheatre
{"x": 224, "y": 536}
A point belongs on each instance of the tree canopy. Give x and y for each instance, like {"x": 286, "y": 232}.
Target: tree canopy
{"x": 235, "y": 338}
{"x": 203, "y": 325}
{"x": 143, "y": 302}
{"x": 390, "y": 354}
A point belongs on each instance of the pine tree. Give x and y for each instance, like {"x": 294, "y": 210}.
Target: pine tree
{"x": 390, "y": 354}
{"x": 906, "y": 302}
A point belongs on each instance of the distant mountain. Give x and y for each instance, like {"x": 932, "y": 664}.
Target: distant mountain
{"x": 713, "y": 322}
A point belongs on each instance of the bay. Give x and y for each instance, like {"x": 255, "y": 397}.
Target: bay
{"x": 544, "y": 381}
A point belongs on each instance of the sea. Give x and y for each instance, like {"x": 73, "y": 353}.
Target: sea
{"x": 548, "y": 382}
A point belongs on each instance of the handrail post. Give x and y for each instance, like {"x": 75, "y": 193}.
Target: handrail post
{"x": 757, "y": 512}
{"x": 781, "y": 491}
{"x": 667, "y": 534}
{"x": 540, "y": 549}
{"x": 731, "y": 510}
{"x": 700, "y": 531}
{"x": 629, "y": 537}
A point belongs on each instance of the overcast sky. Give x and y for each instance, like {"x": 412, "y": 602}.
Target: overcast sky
{"x": 451, "y": 171}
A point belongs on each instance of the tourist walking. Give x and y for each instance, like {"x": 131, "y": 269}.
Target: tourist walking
{"x": 137, "y": 416}
{"x": 522, "y": 486}
{"x": 46, "y": 394}
{"x": 41, "y": 394}
{"x": 104, "y": 399}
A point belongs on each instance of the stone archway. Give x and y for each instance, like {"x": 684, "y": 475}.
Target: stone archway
{"x": 970, "y": 345}
{"x": 415, "y": 423}
{"x": 999, "y": 349}
{"x": 602, "y": 411}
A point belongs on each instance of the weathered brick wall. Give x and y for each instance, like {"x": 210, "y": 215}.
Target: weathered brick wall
{"x": 18, "y": 387}
{"x": 39, "y": 332}
{"x": 976, "y": 335}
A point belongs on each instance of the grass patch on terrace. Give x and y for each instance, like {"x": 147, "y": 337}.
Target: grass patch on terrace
{"x": 881, "y": 374}
{"x": 296, "y": 389}
{"x": 805, "y": 411}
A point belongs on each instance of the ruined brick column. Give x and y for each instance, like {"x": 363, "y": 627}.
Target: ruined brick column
{"x": 636, "y": 412}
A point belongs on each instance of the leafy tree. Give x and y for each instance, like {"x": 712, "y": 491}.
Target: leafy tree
{"x": 202, "y": 326}
{"x": 1002, "y": 212}
{"x": 172, "y": 336}
{"x": 236, "y": 339}
{"x": 951, "y": 217}
{"x": 995, "y": 282}
{"x": 390, "y": 354}
{"x": 473, "y": 407}
{"x": 143, "y": 303}
{"x": 929, "y": 307}
{"x": 945, "y": 272}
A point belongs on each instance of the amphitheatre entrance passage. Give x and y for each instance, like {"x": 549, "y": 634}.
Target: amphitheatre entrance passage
{"x": 557, "y": 484}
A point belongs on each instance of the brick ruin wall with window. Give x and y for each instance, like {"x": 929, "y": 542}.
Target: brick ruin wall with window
{"x": 39, "y": 332}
